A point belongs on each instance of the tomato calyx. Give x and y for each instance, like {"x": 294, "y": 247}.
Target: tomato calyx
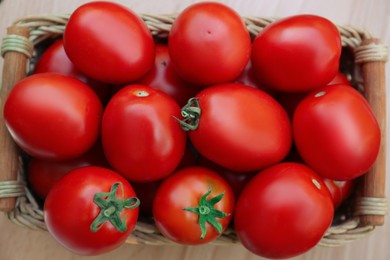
{"x": 207, "y": 212}
{"x": 111, "y": 207}
{"x": 191, "y": 113}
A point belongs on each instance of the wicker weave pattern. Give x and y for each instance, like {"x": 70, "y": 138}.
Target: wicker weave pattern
{"x": 28, "y": 213}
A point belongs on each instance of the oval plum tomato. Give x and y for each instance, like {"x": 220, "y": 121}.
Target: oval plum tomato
{"x": 163, "y": 77}
{"x": 43, "y": 174}
{"x": 193, "y": 206}
{"x": 238, "y": 127}
{"x": 54, "y": 59}
{"x": 209, "y": 44}
{"x": 296, "y": 54}
{"x": 283, "y": 211}
{"x": 53, "y": 117}
{"x": 336, "y": 132}
{"x": 91, "y": 210}
{"x": 118, "y": 49}
{"x": 141, "y": 138}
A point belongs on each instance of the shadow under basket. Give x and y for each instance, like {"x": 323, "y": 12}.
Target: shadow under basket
{"x": 363, "y": 61}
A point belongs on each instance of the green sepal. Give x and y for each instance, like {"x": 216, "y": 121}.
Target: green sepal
{"x": 111, "y": 208}
{"x": 191, "y": 114}
{"x": 207, "y": 213}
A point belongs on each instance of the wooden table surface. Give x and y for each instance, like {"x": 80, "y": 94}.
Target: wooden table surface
{"x": 20, "y": 243}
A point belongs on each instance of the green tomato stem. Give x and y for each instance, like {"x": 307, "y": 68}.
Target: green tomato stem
{"x": 191, "y": 114}
{"x": 208, "y": 214}
{"x": 111, "y": 208}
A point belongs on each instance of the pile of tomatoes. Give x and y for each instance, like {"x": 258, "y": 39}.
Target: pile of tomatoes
{"x": 206, "y": 127}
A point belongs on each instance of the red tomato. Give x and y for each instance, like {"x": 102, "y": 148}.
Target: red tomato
{"x": 296, "y": 54}
{"x": 248, "y": 77}
{"x": 53, "y": 117}
{"x": 336, "y": 132}
{"x": 117, "y": 49}
{"x": 54, "y": 59}
{"x": 91, "y": 210}
{"x": 209, "y": 44}
{"x": 236, "y": 180}
{"x": 43, "y": 174}
{"x": 141, "y": 137}
{"x": 163, "y": 77}
{"x": 239, "y": 127}
{"x": 193, "y": 206}
{"x": 339, "y": 190}
{"x": 339, "y": 79}
{"x": 283, "y": 211}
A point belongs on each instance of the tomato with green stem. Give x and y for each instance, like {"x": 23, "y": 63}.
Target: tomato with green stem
{"x": 193, "y": 206}
{"x": 91, "y": 210}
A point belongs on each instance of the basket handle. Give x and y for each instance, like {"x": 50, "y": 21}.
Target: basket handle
{"x": 372, "y": 55}
{"x": 14, "y": 69}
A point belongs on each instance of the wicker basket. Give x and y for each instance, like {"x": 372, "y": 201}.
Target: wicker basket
{"x": 363, "y": 60}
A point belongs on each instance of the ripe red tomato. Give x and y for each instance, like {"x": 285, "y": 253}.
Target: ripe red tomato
{"x": 296, "y": 54}
{"x": 43, "y": 174}
{"x": 209, "y": 44}
{"x": 91, "y": 210}
{"x": 239, "y": 127}
{"x": 236, "y": 180}
{"x": 163, "y": 77}
{"x": 141, "y": 138}
{"x": 54, "y": 59}
{"x": 53, "y": 117}
{"x": 336, "y": 132}
{"x": 117, "y": 49}
{"x": 193, "y": 206}
{"x": 283, "y": 211}
{"x": 340, "y": 78}
{"x": 339, "y": 190}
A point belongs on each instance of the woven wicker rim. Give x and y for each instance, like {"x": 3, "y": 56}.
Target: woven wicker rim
{"x": 27, "y": 212}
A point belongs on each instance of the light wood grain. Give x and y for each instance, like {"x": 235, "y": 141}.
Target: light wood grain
{"x": 21, "y": 243}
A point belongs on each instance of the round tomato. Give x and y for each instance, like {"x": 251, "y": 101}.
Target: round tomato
{"x": 54, "y": 59}
{"x": 336, "y": 132}
{"x": 193, "y": 206}
{"x": 141, "y": 137}
{"x": 238, "y": 127}
{"x": 163, "y": 77}
{"x": 283, "y": 211}
{"x": 53, "y": 117}
{"x": 91, "y": 210}
{"x": 118, "y": 48}
{"x": 209, "y": 44}
{"x": 340, "y": 78}
{"x": 296, "y": 54}
{"x": 43, "y": 174}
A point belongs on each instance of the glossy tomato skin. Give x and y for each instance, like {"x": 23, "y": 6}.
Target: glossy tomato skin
{"x": 283, "y": 211}
{"x": 296, "y": 54}
{"x": 184, "y": 189}
{"x": 117, "y": 49}
{"x": 164, "y": 77}
{"x": 70, "y": 210}
{"x": 141, "y": 138}
{"x": 43, "y": 174}
{"x": 209, "y": 44}
{"x": 336, "y": 132}
{"x": 53, "y": 117}
{"x": 241, "y": 128}
{"x": 54, "y": 59}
